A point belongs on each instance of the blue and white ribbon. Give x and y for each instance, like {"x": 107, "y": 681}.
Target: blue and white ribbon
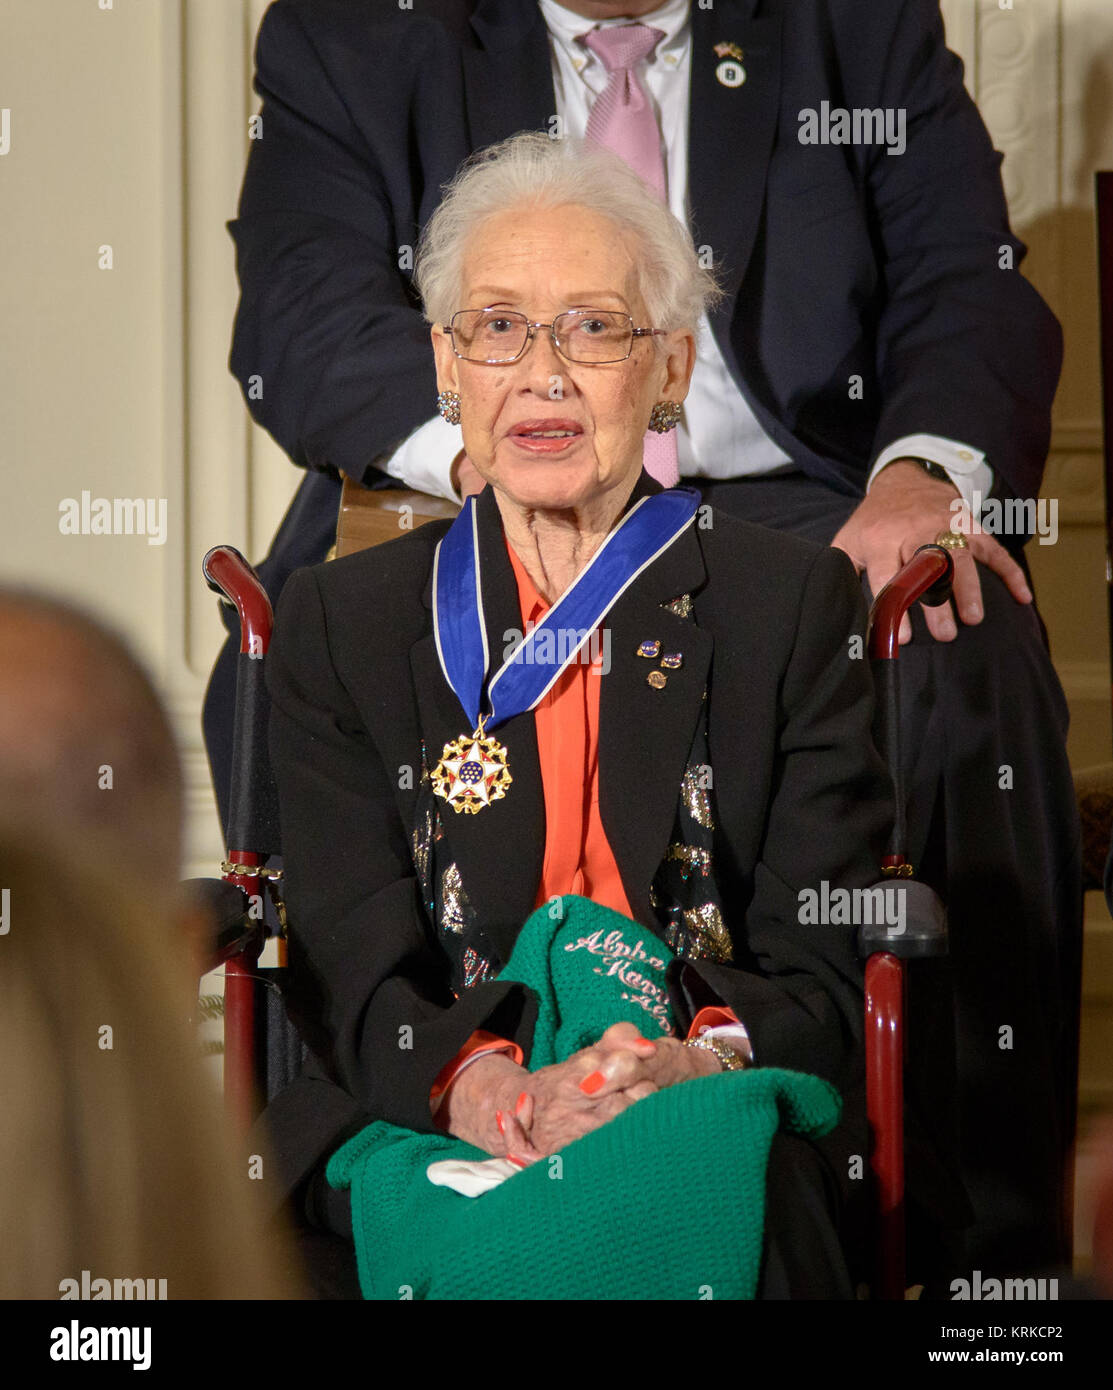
{"x": 644, "y": 533}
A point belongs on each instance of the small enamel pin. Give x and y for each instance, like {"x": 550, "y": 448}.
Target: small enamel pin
{"x": 730, "y": 71}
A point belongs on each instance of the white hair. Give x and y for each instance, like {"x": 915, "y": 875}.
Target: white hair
{"x": 531, "y": 170}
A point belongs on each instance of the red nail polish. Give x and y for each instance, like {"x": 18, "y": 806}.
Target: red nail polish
{"x": 521, "y": 1102}
{"x": 590, "y": 1084}
{"x": 500, "y": 1120}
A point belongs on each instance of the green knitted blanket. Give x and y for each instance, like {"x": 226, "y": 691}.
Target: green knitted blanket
{"x": 664, "y": 1201}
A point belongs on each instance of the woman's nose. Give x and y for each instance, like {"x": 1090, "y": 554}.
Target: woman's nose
{"x": 545, "y": 367}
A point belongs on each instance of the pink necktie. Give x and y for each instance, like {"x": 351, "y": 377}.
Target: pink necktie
{"x": 623, "y": 122}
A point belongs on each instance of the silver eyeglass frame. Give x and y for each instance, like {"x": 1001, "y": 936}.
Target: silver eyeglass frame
{"x": 531, "y": 328}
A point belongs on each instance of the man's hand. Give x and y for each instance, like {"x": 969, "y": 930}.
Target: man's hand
{"x": 465, "y": 477}
{"x": 904, "y": 509}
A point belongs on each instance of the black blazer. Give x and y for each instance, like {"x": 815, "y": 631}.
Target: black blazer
{"x": 838, "y": 260}
{"x": 800, "y": 796}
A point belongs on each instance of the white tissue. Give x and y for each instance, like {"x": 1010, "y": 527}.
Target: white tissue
{"x": 469, "y": 1177}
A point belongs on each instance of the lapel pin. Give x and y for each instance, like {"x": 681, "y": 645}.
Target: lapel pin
{"x": 672, "y": 661}
{"x": 650, "y": 647}
{"x": 657, "y": 679}
{"x": 730, "y": 71}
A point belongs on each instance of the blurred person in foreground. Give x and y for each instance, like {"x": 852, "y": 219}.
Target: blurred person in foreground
{"x": 114, "y": 1160}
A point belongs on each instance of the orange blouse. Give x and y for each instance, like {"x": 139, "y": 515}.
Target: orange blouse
{"x": 578, "y": 858}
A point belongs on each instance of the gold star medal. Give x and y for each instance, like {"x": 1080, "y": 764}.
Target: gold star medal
{"x": 472, "y": 772}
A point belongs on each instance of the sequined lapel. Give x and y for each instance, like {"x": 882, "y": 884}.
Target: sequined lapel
{"x": 646, "y": 728}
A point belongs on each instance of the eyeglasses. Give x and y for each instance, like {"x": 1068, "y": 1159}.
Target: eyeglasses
{"x": 497, "y": 336}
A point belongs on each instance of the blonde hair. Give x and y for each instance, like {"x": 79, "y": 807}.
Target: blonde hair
{"x": 114, "y": 1155}
{"x": 530, "y": 170}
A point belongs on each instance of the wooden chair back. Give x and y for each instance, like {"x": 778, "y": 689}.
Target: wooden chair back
{"x": 369, "y": 517}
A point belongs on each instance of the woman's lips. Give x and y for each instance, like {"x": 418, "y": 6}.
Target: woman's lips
{"x": 545, "y": 436}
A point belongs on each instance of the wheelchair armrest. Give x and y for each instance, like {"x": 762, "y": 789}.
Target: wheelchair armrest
{"x": 911, "y": 920}
{"x": 232, "y": 931}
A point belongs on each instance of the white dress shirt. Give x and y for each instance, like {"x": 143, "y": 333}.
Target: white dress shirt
{"x": 718, "y": 436}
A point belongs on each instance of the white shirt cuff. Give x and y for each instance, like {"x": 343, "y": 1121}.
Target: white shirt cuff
{"x": 966, "y": 466}
{"x": 424, "y": 460}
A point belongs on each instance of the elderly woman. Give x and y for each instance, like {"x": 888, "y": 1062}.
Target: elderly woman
{"x": 585, "y": 685}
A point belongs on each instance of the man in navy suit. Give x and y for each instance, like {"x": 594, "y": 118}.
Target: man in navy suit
{"x": 877, "y": 365}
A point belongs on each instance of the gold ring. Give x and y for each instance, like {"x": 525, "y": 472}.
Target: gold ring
{"x": 951, "y": 540}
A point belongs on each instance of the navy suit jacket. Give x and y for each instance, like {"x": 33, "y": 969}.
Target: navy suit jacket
{"x": 838, "y": 260}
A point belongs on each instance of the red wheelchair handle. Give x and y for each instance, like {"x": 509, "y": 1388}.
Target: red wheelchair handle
{"x": 227, "y": 572}
{"x": 926, "y": 578}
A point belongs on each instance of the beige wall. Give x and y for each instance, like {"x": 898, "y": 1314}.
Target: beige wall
{"x": 129, "y": 129}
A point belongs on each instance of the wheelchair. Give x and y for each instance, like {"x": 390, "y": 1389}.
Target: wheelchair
{"x": 252, "y": 839}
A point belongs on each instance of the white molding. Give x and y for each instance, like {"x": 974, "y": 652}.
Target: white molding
{"x": 173, "y": 329}
{"x": 229, "y": 481}
{"x": 215, "y": 148}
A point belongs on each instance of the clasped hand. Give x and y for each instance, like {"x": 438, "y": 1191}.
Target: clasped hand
{"x": 499, "y": 1106}
{"x": 563, "y": 1102}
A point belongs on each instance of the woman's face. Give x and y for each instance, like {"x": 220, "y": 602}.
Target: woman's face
{"x": 542, "y": 263}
